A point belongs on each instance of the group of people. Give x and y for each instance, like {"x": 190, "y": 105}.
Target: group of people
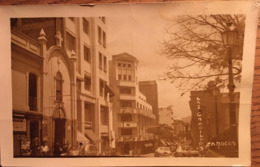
{"x": 37, "y": 149}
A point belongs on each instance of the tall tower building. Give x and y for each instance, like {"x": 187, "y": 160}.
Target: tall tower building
{"x": 132, "y": 113}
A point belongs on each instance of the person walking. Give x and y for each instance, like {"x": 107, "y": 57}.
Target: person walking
{"x": 81, "y": 149}
{"x": 44, "y": 149}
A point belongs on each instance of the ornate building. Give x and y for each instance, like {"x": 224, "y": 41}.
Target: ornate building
{"x": 59, "y": 80}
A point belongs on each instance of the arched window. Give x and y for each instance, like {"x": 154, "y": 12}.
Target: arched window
{"x": 59, "y": 87}
{"x": 32, "y": 92}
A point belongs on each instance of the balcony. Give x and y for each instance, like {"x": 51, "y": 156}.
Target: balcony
{"x": 127, "y": 83}
{"x": 127, "y": 110}
{"x": 25, "y": 42}
{"x": 127, "y": 97}
{"x": 145, "y": 113}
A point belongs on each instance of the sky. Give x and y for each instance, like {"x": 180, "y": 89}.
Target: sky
{"x": 140, "y": 35}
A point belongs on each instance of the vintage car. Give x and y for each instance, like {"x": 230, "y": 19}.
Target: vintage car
{"x": 163, "y": 152}
{"x": 187, "y": 153}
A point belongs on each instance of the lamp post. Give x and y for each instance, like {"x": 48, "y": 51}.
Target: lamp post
{"x": 215, "y": 93}
{"x": 229, "y": 38}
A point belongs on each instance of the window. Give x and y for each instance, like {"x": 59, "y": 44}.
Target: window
{"x": 119, "y": 77}
{"x": 137, "y": 105}
{"x": 126, "y": 131}
{"x": 126, "y": 117}
{"x": 70, "y": 42}
{"x": 32, "y": 92}
{"x": 100, "y": 61}
{"x": 87, "y": 55}
{"x": 125, "y": 90}
{"x": 125, "y": 103}
{"x": 101, "y": 87}
{"x": 119, "y": 64}
{"x": 87, "y": 82}
{"x": 104, "y": 39}
{"x": 86, "y": 26}
{"x": 129, "y": 77}
{"x": 105, "y": 63}
{"x": 129, "y": 65}
{"x": 88, "y": 112}
{"x": 124, "y": 77}
{"x": 104, "y": 115}
{"x": 99, "y": 35}
{"x": 58, "y": 87}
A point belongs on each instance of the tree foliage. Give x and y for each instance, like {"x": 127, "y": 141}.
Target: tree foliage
{"x": 194, "y": 44}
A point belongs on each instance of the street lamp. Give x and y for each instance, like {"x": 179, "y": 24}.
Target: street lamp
{"x": 229, "y": 38}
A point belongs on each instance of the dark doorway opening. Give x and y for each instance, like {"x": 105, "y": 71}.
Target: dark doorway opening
{"x": 59, "y": 131}
{"x": 34, "y": 130}
{"x": 126, "y": 148}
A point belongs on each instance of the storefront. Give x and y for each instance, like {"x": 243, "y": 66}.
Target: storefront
{"x": 26, "y": 130}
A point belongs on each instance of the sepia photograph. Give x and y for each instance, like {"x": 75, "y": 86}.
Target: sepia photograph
{"x": 144, "y": 84}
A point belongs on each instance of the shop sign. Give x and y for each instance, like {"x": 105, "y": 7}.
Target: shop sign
{"x": 19, "y": 125}
{"x": 200, "y": 125}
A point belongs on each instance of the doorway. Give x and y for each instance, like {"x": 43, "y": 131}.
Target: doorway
{"x": 59, "y": 134}
{"x": 34, "y": 130}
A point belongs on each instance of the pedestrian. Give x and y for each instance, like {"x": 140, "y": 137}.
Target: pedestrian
{"x": 81, "y": 149}
{"x": 36, "y": 147}
{"x": 57, "y": 149}
{"x": 44, "y": 149}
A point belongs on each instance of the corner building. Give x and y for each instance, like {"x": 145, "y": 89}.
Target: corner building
{"x": 59, "y": 82}
{"x": 132, "y": 113}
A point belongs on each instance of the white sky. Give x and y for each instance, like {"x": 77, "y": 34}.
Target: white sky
{"x": 140, "y": 36}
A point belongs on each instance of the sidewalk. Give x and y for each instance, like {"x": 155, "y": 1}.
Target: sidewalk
{"x": 147, "y": 155}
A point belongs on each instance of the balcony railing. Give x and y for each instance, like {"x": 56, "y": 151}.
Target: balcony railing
{"x": 127, "y": 110}
{"x": 145, "y": 113}
{"x": 33, "y": 103}
{"x": 25, "y": 42}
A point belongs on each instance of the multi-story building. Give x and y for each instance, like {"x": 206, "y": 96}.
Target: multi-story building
{"x": 60, "y": 81}
{"x": 165, "y": 116}
{"x": 210, "y": 122}
{"x": 149, "y": 89}
{"x": 132, "y": 113}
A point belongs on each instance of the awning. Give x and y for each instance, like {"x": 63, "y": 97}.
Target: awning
{"x": 81, "y": 137}
{"x": 109, "y": 90}
{"x": 92, "y": 136}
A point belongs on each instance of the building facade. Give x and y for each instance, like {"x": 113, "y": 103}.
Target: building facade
{"x": 60, "y": 82}
{"x": 210, "y": 123}
{"x": 149, "y": 89}
{"x": 132, "y": 113}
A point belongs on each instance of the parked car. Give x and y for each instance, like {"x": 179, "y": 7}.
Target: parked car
{"x": 73, "y": 151}
{"x": 163, "y": 152}
{"x": 187, "y": 153}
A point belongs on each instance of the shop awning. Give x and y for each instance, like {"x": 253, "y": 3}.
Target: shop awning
{"x": 92, "y": 136}
{"x": 109, "y": 90}
{"x": 81, "y": 137}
